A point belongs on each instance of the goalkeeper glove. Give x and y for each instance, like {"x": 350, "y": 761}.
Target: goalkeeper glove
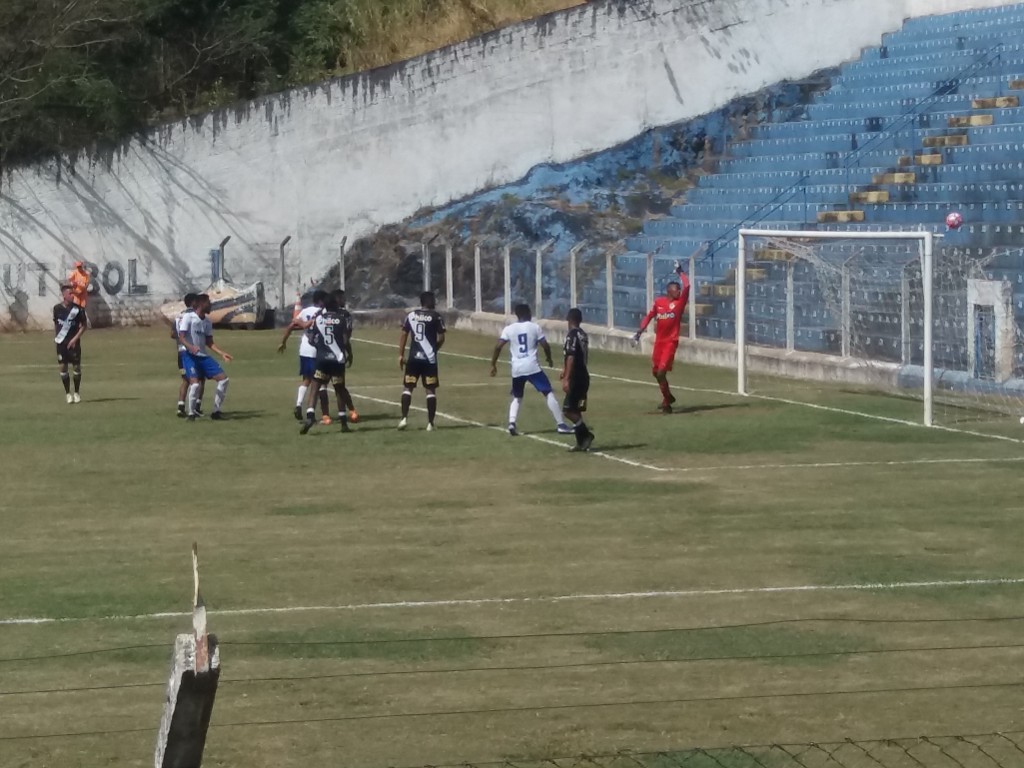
{"x": 636, "y": 338}
{"x": 677, "y": 267}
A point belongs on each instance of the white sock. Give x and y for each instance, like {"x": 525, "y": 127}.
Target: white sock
{"x": 302, "y": 395}
{"x": 222, "y": 390}
{"x": 193, "y": 396}
{"x": 513, "y": 409}
{"x": 555, "y": 408}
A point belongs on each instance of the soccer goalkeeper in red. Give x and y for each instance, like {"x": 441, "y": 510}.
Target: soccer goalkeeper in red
{"x": 668, "y": 311}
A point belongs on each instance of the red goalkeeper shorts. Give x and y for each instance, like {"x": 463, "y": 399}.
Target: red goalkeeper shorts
{"x": 664, "y": 355}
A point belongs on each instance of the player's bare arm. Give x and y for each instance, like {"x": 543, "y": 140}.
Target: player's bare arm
{"x": 295, "y": 325}
{"x": 495, "y": 355}
{"x": 212, "y": 346}
{"x": 543, "y": 344}
{"x": 440, "y": 341}
{"x": 402, "y": 341}
{"x": 566, "y": 372}
{"x": 77, "y": 336}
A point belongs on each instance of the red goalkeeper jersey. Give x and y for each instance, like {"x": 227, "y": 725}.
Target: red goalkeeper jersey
{"x": 668, "y": 313}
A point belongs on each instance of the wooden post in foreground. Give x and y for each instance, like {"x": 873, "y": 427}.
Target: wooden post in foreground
{"x": 195, "y": 670}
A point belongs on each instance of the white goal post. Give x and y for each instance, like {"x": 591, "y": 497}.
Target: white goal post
{"x": 925, "y": 242}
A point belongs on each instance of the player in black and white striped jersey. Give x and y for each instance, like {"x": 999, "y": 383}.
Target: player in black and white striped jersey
{"x": 69, "y": 323}
{"x": 426, "y": 328}
{"x": 329, "y": 336}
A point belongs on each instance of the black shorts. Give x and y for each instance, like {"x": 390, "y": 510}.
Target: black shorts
{"x": 71, "y": 356}
{"x": 421, "y": 369}
{"x": 576, "y": 398}
{"x": 330, "y": 371}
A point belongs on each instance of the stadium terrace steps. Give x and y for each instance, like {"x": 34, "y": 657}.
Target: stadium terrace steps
{"x": 928, "y": 122}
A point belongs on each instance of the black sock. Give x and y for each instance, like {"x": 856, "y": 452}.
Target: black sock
{"x": 406, "y": 402}
{"x": 325, "y": 403}
{"x": 431, "y": 408}
{"x": 581, "y": 431}
{"x": 78, "y": 381}
{"x": 65, "y": 379}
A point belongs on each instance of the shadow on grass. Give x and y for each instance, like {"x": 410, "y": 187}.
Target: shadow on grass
{"x": 701, "y": 408}
{"x": 109, "y": 399}
{"x": 375, "y": 417}
{"x": 242, "y": 415}
{"x": 601, "y": 448}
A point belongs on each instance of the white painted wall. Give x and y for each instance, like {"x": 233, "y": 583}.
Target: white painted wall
{"x": 350, "y": 155}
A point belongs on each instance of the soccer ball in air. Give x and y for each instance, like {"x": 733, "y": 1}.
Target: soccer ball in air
{"x": 954, "y": 220}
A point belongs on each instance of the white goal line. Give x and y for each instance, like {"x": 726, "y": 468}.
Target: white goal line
{"x": 544, "y": 599}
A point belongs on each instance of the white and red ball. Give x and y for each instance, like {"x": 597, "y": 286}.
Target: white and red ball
{"x": 954, "y": 220}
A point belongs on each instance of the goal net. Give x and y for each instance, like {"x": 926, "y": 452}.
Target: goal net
{"x": 854, "y": 320}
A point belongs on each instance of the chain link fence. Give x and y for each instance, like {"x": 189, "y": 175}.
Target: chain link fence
{"x": 992, "y": 750}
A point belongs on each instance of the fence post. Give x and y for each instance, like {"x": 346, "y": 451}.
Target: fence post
{"x": 220, "y": 258}
{"x": 507, "y": 254}
{"x": 650, "y": 279}
{"x": 191, "y": 689}
{"x": 573, "y": 292}
{"x": 284, "y": 243}
{"x": 538, "y": 283}
{"x": 449, "y": 278}
{"x": 538, "y": 279}
{"x": 478, "y": 299}
{"x": 692, "y": 319}
{"x": 790, "y": 307}
{"x": 425, "y": 258}
{"x": 609, "y": 293}
{"x": 341, "y": 262}
{"x": 845, "y": 323}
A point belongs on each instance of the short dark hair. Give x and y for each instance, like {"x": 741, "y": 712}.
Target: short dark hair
{"x": 331, "y": 304}
{"x": 320, "y": 297}
{"x": 523, "y": 311}
{"x": 427, "y": 299}
{"x": 65, "y": 287}
{"x": 676, "y": 283}
{"x": 575, "y": 316}
{"x": 202, "y": 298}
{"x": 338, "y": 294}
{"x": 190, "y": 299}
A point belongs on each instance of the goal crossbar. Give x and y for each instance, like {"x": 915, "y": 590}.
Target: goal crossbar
{"x": 927, "y": 241}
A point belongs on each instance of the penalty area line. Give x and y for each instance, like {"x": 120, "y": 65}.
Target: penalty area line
{"x": 772, "y": 399}
{"x": 538, "y": 438}
{"x": 547, "y": 599}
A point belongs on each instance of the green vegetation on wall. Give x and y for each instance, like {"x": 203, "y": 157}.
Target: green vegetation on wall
{"x": 76, "y": 71}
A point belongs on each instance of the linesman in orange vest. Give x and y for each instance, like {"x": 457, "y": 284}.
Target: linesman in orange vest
{"x": 79, "y": 282}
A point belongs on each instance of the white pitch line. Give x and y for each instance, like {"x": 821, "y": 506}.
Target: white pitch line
{"x": 538, "y": 438}
{"x": 851, "y": 464}
{"x": 542, "y": 599}
{"x": 771, "y": 398}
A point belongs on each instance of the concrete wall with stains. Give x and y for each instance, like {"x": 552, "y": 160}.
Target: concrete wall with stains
{"x": 349, "y": 155}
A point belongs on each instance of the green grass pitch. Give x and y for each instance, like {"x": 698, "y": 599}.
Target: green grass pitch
{"x": 411, "y": 598}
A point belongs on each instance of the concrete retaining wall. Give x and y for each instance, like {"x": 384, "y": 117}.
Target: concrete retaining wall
{"x": 349, "y": 155}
